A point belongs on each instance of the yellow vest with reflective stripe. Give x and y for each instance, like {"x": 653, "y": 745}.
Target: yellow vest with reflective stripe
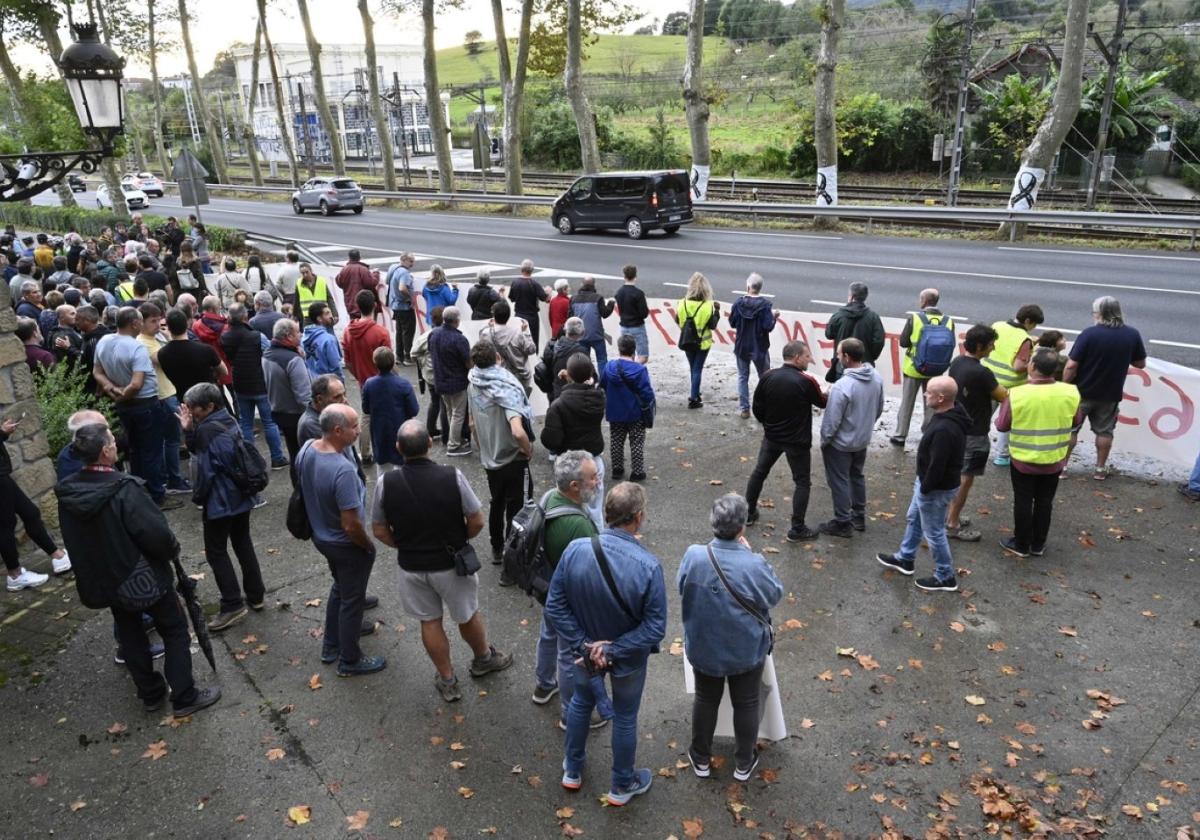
{"x": 1008, "y": 343}
{"x": 1042, "y": 416}
{"x": 308, "y": 296}
{"x": 125, "y": 291}
{"x": 910, "y": 352}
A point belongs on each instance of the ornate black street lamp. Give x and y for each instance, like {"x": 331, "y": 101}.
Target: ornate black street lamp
{"x": 93, "y": 73}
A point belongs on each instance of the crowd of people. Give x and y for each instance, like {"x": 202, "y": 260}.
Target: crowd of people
{"x": 189, "y": 367}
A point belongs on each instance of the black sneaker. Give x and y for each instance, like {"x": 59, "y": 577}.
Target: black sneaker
{"x": 329, "y": 655}
{"x": 637, "y": 476}
{"x": 366, "y": 628}
{"x": 904, "y": 567}
{"x": 205, "y": 697}
{"x": 155, "y": 704}
{"x": 365, "y": 665}
{"x": 743, "y": 774}
{"x": 1010, "y": 545}
{"x": 542, "y": 696}
{"x": 170, "y": 503}
{"x": 833, "y": 528}
{"x": 1038, "y": 550}
{"x": 896, "y": 441}
{"x": 282, "y": 463}
{"x": 752, "y": 516}
{"x": 802, "y": 534}
{"x": 505, "y": 580}
{"x": 618, "y": 473}
{"x": 932, "y": 584}
{"x": 370, "y": 602}
{"x": 700, "y": 766}
{"x": 858, "y": 524}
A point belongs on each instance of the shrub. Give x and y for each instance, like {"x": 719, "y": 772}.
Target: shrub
{"x": 60, "y": 393}
{"x": 90, "y": 222}
{"x": 658, "y": 149}
{"x": 1190, "y": 174}
{"x": 550, "y": 135}
{"x": 874, "y": 135}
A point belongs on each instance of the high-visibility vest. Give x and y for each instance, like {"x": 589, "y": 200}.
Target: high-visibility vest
{"x": 309, "y": 296}
{"x": 1000, "y": 361}
{"x": 910, "y": 352}
{"x": 1042, "y": 417}
{"x": 125, "y": 291}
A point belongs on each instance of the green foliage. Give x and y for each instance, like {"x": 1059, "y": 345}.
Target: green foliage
{"x": 57, "y": 124}
{"x": 60, "y": 393}
{"x": 676, "y": 23}
{"x": 1008, "y": 117}
{"x": 91, "y": 222}
{"x": 874, "y": 134}
{"x": 1190, "y": 175}
{"x": 1135, "y": 114}
{"x": 1181, "y": 60}
{"x": 551, "y": 138}
{"x": 940, "y": 67}
{"x": 658, "y": 150}
{"x": 548, "y": 36}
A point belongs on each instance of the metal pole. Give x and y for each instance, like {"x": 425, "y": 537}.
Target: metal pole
{"x": 960, "y": 120}
{"x": 485, "y": 151}
{"x": 192, "y": 177}
{"x": 308, "y": 145}
{"x": 359, "y": 78}
{"x": 403, "y": 130}
{"x": 1113, "y": 56}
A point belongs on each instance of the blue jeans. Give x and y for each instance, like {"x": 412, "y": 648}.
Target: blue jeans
{"x": 927, "y": 518}
{"x": 640, "y": 338}
{"x": 555, "y": 665}
{"x": 627, "y": 699}
{"x": 696, "y": 363}
{"x": 761, "y": 361}
{"x": 246, "y": 406}
{"x": 596, "y": 345}
{"x": 1194, "y": 481}
{"x": 144, "y": 426}
{"x": 172, "y": 435}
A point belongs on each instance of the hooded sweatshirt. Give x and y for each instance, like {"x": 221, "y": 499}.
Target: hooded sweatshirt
{"x": 753, "y": 319}
{"x": 574, "y": 420}
{"x": 940, "y": 455}
{"x": 855, "y": 402}
{"x": 360, "y": 340}
{"x": 108, "y": 523}
{"x": 857, "y": 320}
{"x": 213, "y": 443}
{"x": 321, "y": 351}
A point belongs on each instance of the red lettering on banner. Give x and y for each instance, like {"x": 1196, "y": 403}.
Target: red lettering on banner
{"x": 795, "y": 332}
{"x": 1183, "y": 415}
{"x": 668, "y": 337}
{"x": 893, "y": 349}
{"x": 1146, "y": 381}
{"x": 826, "y": 344}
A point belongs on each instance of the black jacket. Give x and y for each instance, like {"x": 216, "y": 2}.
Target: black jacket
{"x": 574, "y": 420}
{"x": 857, "y": 320}
{"x": 243, "y": 345}
{"x": 5, "y": 460}
{"x": 87, "y": 353}
{"x": 555, "y": 358}
{"x": 940, "y": 455}
{"x": 480, "y": 298}
{"x": 108, "y": 522}
{"x": 783, "y": 403}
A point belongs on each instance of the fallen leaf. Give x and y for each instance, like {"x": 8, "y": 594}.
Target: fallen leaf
{"x": 314, "y": 682}
{"x": 437, "y": 740}
{"x": 1026, "y": 728}
{"x": 693, "y": 828}
{"x": 535, "y": 781}
{"x": 997, "y": 647}
{"x": 974, "y": 699}
{"x": 846, "y": 651}
{"x": 275, "y": 753}
{"x": 313, "y": 602}
{"x": 249, "y": 640}
{"x": 983, "y": 719}
{"x": 155, "y": 751}
{"x": 867, "y": 662}
{"x": 716, "y": 482}
{"x": 458, "y": 745}
{"x": 879, "y": 797}
{"x": 457, "y": 765}
{"x": 565, "y": 813}
{"x": 300, "y": 814}
{"x": 1086, "y": 541}
{"x": 39, "y": 780}
{"x": 1091, "y": 724}
{"x": 676, "y": 648}
{"x": 949, "y": 798}
{"x": 465, "y": 792}
{"x": 666, "y": 773}
{"x": 926, "y": 758}
{"x": 569, "y": 830}
{"x": 807, "y": 724}
{"x": 357, "y": 821}
{"x": 1132, "y": 810}
{"x": 439, "y": 833}
{"x": 769, "y": 775}
{"x": 117, "y": 729}
{"x": 825, "y": 676}
{"x": 957, "y": 626}
{"x": 77, "y": 804}
{"x": 396, "y": 823}
{"x": 916, "y": 663}
{"x": 1068, "y": 631}
{"x": 793, "y": 624}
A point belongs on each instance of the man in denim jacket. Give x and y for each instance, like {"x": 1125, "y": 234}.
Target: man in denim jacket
{"x": 608, "y": 633}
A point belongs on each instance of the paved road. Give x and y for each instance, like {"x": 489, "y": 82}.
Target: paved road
{"x": 980, "y": 281}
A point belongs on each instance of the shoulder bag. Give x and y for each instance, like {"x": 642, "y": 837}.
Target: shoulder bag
{"x": 466, "y": 561}
{"x": 602, "y": 561}
{"x": 297, "y": 521}
{"x": 742, "y": 602}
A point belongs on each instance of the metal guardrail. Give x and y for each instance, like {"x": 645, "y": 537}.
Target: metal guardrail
{"x": 307, "y": 254}
{"x": 867, "y": 213}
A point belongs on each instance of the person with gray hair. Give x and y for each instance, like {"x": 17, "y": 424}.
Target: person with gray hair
{"x": 559, "y": 308}
{"x": 481, "y": 297}
{"x": 558, "y": 352}
{"x": 289, "y": 390}
{"x": 525, "y": 294}
{"x": 728, "y": 591}
{"x": 265, "y": 315}
{"x": 589, "y": 306}
{"x": 401, "y": 299}
{"x": 754, "y": 318}
{"x": 855, "y": 320}
{"x": 216, "y": 445}
{"x": 1098, "y": 362}
{"x": 451, "y": 354}
{"x": 335, "y": 496}
{"x": 609, "y": 623}
{"x": 244, "y": 347}
{"x": 30, "y": 305}
{"x": 913, "y": 380}
{"x": 230, "y": 281}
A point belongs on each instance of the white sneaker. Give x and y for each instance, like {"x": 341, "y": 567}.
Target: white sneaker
{"x": 26, "y": 580}
{"x": 61, "y": 565}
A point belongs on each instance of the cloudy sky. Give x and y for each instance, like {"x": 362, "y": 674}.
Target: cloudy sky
{"x": 222, "y": 22}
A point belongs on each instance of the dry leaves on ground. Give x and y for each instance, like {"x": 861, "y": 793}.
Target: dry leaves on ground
{"x": 117, "y": 729}
{"x": 975, "y": 700}
{"x": 275, "y": 753}
{"x": 155, "y": 751}
{"x": 357, "y": 821}
{"x": 314, "y": 682}
{"x": 693, "y": 828}
{"x": 300, "y": 814}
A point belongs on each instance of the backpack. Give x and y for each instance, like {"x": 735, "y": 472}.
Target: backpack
{"x": 248, "y": 468}
{"x": 689, "y": 336}
{"x": 543, "y": 374}
{"x": 296, "y": 520}
{"x": 524, "y": 556}
{"x": 935, "y": 348}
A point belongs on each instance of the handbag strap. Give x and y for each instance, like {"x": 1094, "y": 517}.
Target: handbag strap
{"x": 608, "y": 577}
{"x": 625, "y": 381}
{"x": 742, "y": 602}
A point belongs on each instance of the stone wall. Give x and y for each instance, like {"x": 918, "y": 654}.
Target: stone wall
{"x": 32, "y": 467}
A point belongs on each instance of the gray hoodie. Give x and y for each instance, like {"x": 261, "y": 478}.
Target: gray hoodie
{"x": 855, "y": 403}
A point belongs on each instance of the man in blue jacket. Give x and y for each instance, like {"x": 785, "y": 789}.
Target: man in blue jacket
{"x": 322, "y": 353}
{"x": 590, "y": 307}
{"x": 753, "y": 318}
{"x": 611, "y": 623}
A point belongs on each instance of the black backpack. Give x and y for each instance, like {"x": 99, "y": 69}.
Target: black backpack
{"x": 248, "y": 468}
{"x": 525, "y": 559}
{"x": 543, "y": 374}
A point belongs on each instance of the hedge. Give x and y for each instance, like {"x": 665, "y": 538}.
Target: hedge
{"x": 91, "y": 222}
{"x": 1190, "y": 174}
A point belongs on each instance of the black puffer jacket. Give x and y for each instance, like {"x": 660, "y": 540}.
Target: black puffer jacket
{"x": 108, "y": 522}
{"x": 555, "y": 358}
{"x": 243, "y": 345}
{"x": 574, "y": 420}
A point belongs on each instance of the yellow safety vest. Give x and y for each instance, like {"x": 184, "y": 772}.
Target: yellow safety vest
{"x": 1008, "y": 343}
{"x": 1042, "y": 417}
{"x": 125, "y": 291}
{"x": 910, "y": 352}
{"x": 309, "y": 296}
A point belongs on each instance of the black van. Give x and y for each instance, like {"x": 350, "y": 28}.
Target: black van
{"x": 635, "y": 201}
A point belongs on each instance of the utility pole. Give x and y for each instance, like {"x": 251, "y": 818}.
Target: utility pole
{"x": 365, "y": 114}
{"x": 403, "y": 130}
{"x": 221, "y": 111}
{"x": 1112, "y": 56}
{"x": 960, "y": 120}
{"x": 485, "y": 149}
{"x": 308, "y": 145}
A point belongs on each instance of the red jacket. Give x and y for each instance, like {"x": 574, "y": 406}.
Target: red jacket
{"x": 208, "y": 328}
{"x": 352, "y": 279}
{"x": 359, "y": 342}
{"x": 560, "y": 310}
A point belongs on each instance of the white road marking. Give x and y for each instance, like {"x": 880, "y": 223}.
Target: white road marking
{"x": 828, "y": 302}
{"x": 1099, "y": 254}
{"x": 1059, "y": 329}
{"x": 677, "y": 285}
{"x": 742, "y": 292}
{"x": 325, "y": 248}
{"x": 1175, "y": 344}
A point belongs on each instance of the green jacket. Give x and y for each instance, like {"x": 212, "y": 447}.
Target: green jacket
{"x": 561, "y": 530}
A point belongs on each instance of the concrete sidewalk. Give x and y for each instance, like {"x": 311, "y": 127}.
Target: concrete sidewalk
{"x": 911, "y": 714}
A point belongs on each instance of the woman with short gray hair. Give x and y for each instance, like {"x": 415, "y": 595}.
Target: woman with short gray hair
{"x": 728, "y": 591}
{"x": 481, "y": 296}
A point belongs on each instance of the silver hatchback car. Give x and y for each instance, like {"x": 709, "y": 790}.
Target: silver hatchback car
{"x": 328, "y": 195}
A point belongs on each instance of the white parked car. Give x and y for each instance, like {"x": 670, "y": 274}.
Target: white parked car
{"x": 135, "y": 199}
{"x": 147, "y": 182}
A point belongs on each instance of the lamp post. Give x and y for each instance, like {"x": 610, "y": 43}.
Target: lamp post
{"x": 94, "y": 78}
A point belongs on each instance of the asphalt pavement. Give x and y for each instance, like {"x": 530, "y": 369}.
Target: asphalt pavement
{"x": 981, "y": 282}
{"x": 1059, "y": 691}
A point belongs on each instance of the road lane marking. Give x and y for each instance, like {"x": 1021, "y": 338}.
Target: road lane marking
{"x": 1046, "y": 329}
{"x": 742, "y": 292}
{"x": 1099, "y": 254}
{"x": 827, "y": 302}
{"x": 1175, "y": 344}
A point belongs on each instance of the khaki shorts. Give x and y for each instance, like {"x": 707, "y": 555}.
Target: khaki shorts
{"x": 1102, "y": 416}
{"x": 979, "y": 450}
{"x": 423, "y": 594}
